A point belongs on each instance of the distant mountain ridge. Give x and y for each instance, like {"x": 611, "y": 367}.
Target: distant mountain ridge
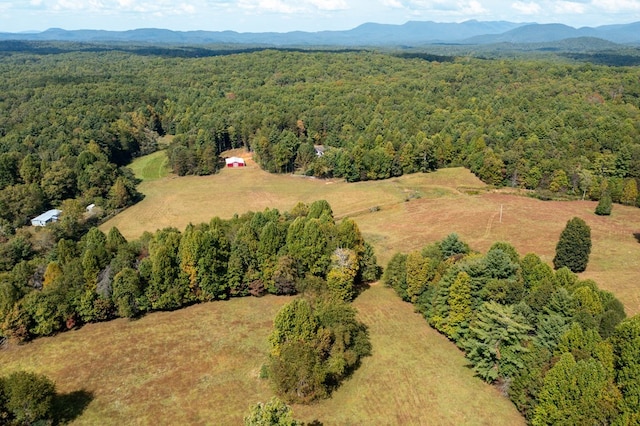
{"x": 412, "y": 33}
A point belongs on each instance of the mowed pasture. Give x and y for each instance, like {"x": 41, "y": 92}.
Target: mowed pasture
{"x": 403, "y": 214}
{"x": 201, "y": 366}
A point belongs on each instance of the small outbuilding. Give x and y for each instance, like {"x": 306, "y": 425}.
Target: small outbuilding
{"x": 46, "y": 218}
{"x": 235, "y": 162}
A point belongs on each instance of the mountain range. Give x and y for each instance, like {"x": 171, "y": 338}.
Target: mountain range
{"x": 412, "y": 33}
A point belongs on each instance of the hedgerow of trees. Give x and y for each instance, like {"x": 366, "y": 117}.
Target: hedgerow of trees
{"x": 558, "y": 346}
{"x": 103, "y": 276}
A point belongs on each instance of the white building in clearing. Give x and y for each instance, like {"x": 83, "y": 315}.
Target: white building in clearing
{"x": 46, "y": 217}
{"x": 235, "y": 162}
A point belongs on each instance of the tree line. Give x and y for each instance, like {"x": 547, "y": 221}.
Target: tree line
{"x": 103, "y": 276}
{"x": 561, "y": 348}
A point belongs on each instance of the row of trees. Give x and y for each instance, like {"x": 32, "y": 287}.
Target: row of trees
{"x": 558, "y": 346}
{"x": 102, "y": 276}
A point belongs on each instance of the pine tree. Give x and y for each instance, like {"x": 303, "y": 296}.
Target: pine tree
{"x": 460, "y": 304}
{"x": 574, "y": 246}
{"x": 626, "y": 349}
{"x": 495, "y": 342}
{"x": 604, "y": 205}
{"x": 629, "y": 193}
{"x": 417, "y": 275}
{"x": 577, "y": 393}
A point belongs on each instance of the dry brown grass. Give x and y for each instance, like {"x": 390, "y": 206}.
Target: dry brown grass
{"x": 167, "y": 368}
{"x": 415, "y": 376}
{"x": 200, "y": 366}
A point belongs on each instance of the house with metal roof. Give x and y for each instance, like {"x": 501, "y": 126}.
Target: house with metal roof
{"x": 46, "y": 217}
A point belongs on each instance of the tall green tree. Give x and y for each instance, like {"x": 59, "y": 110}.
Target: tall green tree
{"x": 496, "y": 342}
{"x": 626, "y": 349}
{"x": 574, "y": 393}
{"x": 604, "y": 205}
{"x": 574, "y": 246}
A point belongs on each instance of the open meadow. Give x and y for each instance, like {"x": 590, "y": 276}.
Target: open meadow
{"x": 201, "y": 366}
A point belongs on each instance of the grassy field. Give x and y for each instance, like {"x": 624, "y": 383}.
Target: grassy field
{"x": 201, "y": 365}
{"x": 186, "y": 367}
{"x": 449, "y": 200}
{"x": 151, "y": 167}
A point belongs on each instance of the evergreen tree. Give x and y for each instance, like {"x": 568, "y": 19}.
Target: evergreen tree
{"x": 574, "y": 246}
{"x": 460, "y": 305}
{"x": 629, "y": 193}
{"x": 495, "y": 343}
{"x": 417, "y": 275}
{"x": 626, "y": 349}
{"x": 577, "y": 393}
{"x": 604, "y": 205}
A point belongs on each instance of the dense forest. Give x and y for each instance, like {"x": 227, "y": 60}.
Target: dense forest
{"x": 557, "y": 345}
{"x": 70, "y": 122}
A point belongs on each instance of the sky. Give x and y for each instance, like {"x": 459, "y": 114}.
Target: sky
{"x": 303, "y": 15}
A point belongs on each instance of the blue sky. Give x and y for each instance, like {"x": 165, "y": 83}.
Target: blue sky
{"x": 305, "y": 15}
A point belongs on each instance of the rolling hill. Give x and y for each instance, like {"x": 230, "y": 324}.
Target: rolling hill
{"x": 412, "y": 33}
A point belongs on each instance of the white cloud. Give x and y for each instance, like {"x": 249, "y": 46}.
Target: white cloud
{"x": 569, "y": 7}
{"x": 329, "y": 4}
{"x": 277, "y": 6}
{"x": 527, "y": 8}
{"x": 472, "y": 7}
{"x": 618, "y": 6}
{"x": 392, "y": 3}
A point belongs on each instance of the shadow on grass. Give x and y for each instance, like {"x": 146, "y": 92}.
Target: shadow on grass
{"x": 636, "y": 235}
{"x": 69, "y": 406}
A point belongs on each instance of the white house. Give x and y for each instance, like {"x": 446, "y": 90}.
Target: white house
{"x": 235, "y": 162}
{"x": 46, "y": 217}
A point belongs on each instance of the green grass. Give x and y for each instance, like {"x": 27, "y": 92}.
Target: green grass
{"x": 151, "y": 167}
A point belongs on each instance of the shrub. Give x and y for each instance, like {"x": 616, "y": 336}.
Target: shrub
{"x": 28, "y": 397}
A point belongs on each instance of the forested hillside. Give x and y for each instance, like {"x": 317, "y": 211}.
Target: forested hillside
{"x": 70, "y": 121}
